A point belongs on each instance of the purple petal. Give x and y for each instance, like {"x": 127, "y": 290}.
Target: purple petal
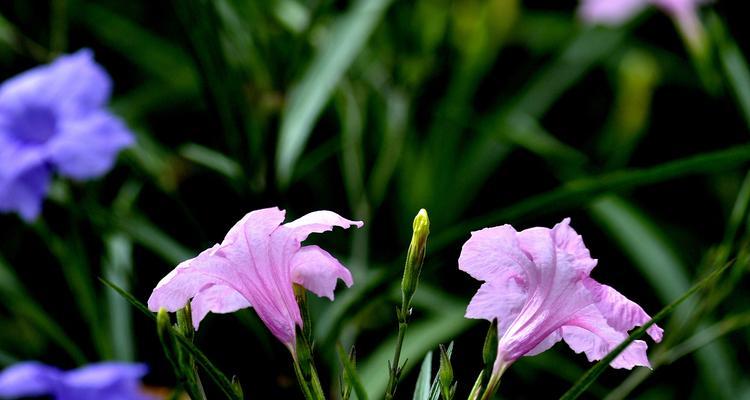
{"x": 25, "y": 193}
{"x": 318, "y": 271}
{"x": 589, "y": 333}
{"x": 28, "y": 379}
{"x": 72, "y": 84}
{"x": 87, "y": 147}
{"x": 104, "y": 374}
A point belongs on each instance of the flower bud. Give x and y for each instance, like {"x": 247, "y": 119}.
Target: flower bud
{"x": 445, "y": 375}
{"x": 414, "y": 259}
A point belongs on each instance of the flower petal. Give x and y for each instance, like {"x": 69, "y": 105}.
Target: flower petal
{"x": 28, "y": 379}
{"x": 318, "y": 271}
{"x": 501, "y": 300}
{"x": 104, "y": 375}
{"x": 73, "y": 84}
{"x": 610, "y": 12}
{"x": 87, "y": 147}
{"x": 219, "y": 299}
{"x": 319, "y": 222}
{"x": 621, "y": 313}
{"x": 588, "y": 332}
{"x": 190, "y": 277}
{"x": 494, "y": 254}
{"x": 25, "y": 193}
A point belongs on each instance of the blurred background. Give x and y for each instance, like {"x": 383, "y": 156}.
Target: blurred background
{"x": 484, "y": 112}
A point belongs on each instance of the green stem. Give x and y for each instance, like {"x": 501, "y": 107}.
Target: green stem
{"x": 494, "y": 382}
{"x": 395, "y": 370}
{"x": 302, "y": 381}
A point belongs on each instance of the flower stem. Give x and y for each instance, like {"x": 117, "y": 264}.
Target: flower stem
{"x": 395, "y": 368}
{"x": 494, "y": 382}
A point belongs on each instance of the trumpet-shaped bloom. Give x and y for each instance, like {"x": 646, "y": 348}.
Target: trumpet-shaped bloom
{"x": 537, "y": 286}
{"x": 616, "y": 12}
{"x": 53, "y": 119}
{"x": 256, "y": 266}
{"x": 102, "y": 381}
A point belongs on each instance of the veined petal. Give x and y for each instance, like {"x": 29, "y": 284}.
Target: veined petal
{"x": 621, "y": 313}
{"x": 588, "y": 332}
{"x": 318, "y": 271}
{"x": 494, "y": 254}
{"x": 219, "y": 299}
{"x": 501, "y": 300}
{"x": 319, "y": 222}
{"x": 190, "y": 277}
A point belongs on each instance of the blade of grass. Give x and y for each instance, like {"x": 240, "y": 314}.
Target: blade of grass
{"x": 118, "y": 268}
{"x": 224, "y": 383}
{"x": 594, "y": 372}
{"x": 310, "y": 95}
{"x": 22, "y": 304}
{"x": 583, "y": 190}
{"x": 351, "y": 371}
{"x": 422, "y": 388}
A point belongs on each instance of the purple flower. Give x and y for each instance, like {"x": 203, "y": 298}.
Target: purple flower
{"x": 537, "y": 286}
{"x": 102, "y": 381}
{"x": 53, "y": 119}
{"x": 256, "y": 266}
{"x": 616, "y": 12}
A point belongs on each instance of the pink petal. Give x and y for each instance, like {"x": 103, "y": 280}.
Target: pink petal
{"x": 318, "y": 271}
{"x": 589, "y": 333}
{"x": 318, "y": 222}
{"x": 547, "y": 343}
{"x": 501, "y": 300}
{"x": 621, "y": 313}
{"x": 610, "y": 12}
{"x": 494, "y": 254}
{"x": 217, "y": 299}
{"x": 177, "y": 288}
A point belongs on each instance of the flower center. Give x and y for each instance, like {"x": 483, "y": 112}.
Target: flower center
{"x": 34, "y": 124}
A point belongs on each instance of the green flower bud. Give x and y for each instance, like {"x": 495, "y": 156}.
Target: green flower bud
{"x": 414, "y": 260}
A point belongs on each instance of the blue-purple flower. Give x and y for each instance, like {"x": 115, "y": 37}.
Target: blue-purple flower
{"x": 53, "y": 118}
{"x": 102, "y": 381}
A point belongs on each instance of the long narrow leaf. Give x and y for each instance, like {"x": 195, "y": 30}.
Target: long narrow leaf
{"x": 224, "y": 383}
{"x": 311, "y": 94}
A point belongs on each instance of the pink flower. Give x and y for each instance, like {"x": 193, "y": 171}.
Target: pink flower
{"x": 537, "y": 286}
{"x": 616, "y": 12}
{"x": 256, "y": 266}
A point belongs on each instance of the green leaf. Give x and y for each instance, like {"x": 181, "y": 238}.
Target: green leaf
{"x": 581, "y": 191}
{"x": 351, "y": 371}
{"x": 118, "y": 268}
{"x": 224, "y": 383}
{"x": 13, "y": 294}
{"x": 308, "y": 97}
{"x": 594, "y": 372}
{"x": 422, "y": 388}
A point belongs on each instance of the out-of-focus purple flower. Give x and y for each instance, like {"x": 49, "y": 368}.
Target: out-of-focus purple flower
{"x": 616, "y": 12}
{"x": 102, "y": 381}
{"x": 256, "y": 266}
{"x": 537, "y": 286}
{"x": 53, "y": 119}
